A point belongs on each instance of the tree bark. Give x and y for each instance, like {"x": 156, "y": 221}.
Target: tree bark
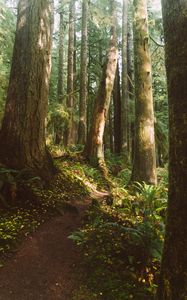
{"x": 117, "y": 113}
{"x": 68, "y": 138}
{"x": 144, "y": 165}
{"x": 23, "y": 129}
{"x": 124, "y": 106}
{"x": 173, "y": 282}
{"x": 83, "y": 76}
{"x": 61, "y": 57}
{"x": 110, "y": 125}
{"x": 130, "y": 88}
{"x": 94, "y": 148}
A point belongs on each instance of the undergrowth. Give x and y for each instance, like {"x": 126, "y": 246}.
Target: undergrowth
{"x": 122, "y": 243}
{"x": 33, "y": 204}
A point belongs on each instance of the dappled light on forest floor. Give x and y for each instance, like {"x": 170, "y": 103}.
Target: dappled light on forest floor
{"x": 117, "y": 255}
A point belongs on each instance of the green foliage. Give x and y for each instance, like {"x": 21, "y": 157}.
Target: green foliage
{"x": 90, "y": 176}
{"x": 159, "y": 81}
{"x": 162, "y": 174}
{"x": 119, "y": 169}
{"x": 84, "y": 294}
{"x": 34, "y": 203}
{"x": 161, "y": 138}
{"x": 15, "y": 223}
{"x": 7, "y": 33}
{"x": 117, "y": 255}
{"x": 57, "y": 121}
{"x": 122, "y": 244}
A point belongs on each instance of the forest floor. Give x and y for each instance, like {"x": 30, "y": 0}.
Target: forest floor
{"x": 75, "y": 240}
{"x": 44, "y": 263}
{"x": 47, "y": 265}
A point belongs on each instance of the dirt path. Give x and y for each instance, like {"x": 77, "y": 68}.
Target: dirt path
{"x": 47, "y": 264}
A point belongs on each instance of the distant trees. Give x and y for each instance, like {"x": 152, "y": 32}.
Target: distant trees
{"x": 95, "y": 147}
{"x": 22, "y": 135}
{"x": 7, "y": 35}
{"x": 173, "y": 282}
{"x": 73, "y": 113}
{"x": 144, "y": 164}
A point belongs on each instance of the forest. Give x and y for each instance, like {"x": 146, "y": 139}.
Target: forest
{"x": 93, "y": 149}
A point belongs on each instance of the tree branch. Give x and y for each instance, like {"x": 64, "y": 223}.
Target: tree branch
{"x": 158, "y": 44}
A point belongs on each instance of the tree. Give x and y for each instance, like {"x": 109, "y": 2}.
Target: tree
{"x": 117, "y": 113}
{"x": 83, "y": 76}
{"x": 23, "y": 129}
{"x": 61, "y": 56}
{"x": 7, "y": 36}
{"x": 94, "y": 147}
{"x": 70, "y": 74}
{"x": 124, "y": 114}
{"x": 173, "y": 283}
{"x": 144, "y": 165}
{"x": 130, "y": 89}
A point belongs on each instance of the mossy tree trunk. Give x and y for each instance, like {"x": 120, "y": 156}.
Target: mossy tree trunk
{"x": 61, "y": 56}
{"x": 108, "y": 133}
{"x": 173, "y": 283}
{"x": 110, "y": 127}
{"x": 130, "y": 88}
{"x": 124, "y": 106}
{"x": 58, "y": 132}
{"x": 68, "y": 137}
{"x": 117, "y": 113}
{"x": 144, "y": 165}
{"x": 94, "y": 148}
{"x": 23, "y": 129}
{"x": 83, "y": 76}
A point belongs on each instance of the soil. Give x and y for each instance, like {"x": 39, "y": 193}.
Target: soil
{"x": 47, "y": 264}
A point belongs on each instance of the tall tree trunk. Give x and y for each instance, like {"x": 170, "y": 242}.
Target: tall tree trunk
{"x": 83, "y": 76}
{"x": 173, "y": 283}
{"x": 61, "y": 57}
{"x": 117, "y": 113}
{"x": 23, "y": 128}
{"x": 144, "y": 165}
{"x": 108, "y": 133}
{"x": 124, "y": 110}
{"x": 110, "y": 125}
{"x": 94, "y": 148}
{"x": 75, "y": 56}
{"x": 68, "y": 139}
{"x": 58, "y": 132}
{"x": 130, "y": 87}
{"x": 130, "y": 61}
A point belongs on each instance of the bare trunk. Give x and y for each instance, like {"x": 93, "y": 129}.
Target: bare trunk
{"x": 144, "y": 165}
{"x": 61, "y": 58}
{"x": 68, "y": 139}
{"x": 130, "y": 87}
{"x": 173, "y": 282}
{"x": 94, "y": 147}
{"x": 83, "y": 76}
{"x": 111, "y": 129}
{"x": 117, "y": 113}
{"x": 23, "y": 127}
{"x": 124, "y": 107}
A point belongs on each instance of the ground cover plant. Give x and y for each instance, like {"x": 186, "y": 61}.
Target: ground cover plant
{"x": 122, "y": 242}
{"x": 33, "y": 203}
